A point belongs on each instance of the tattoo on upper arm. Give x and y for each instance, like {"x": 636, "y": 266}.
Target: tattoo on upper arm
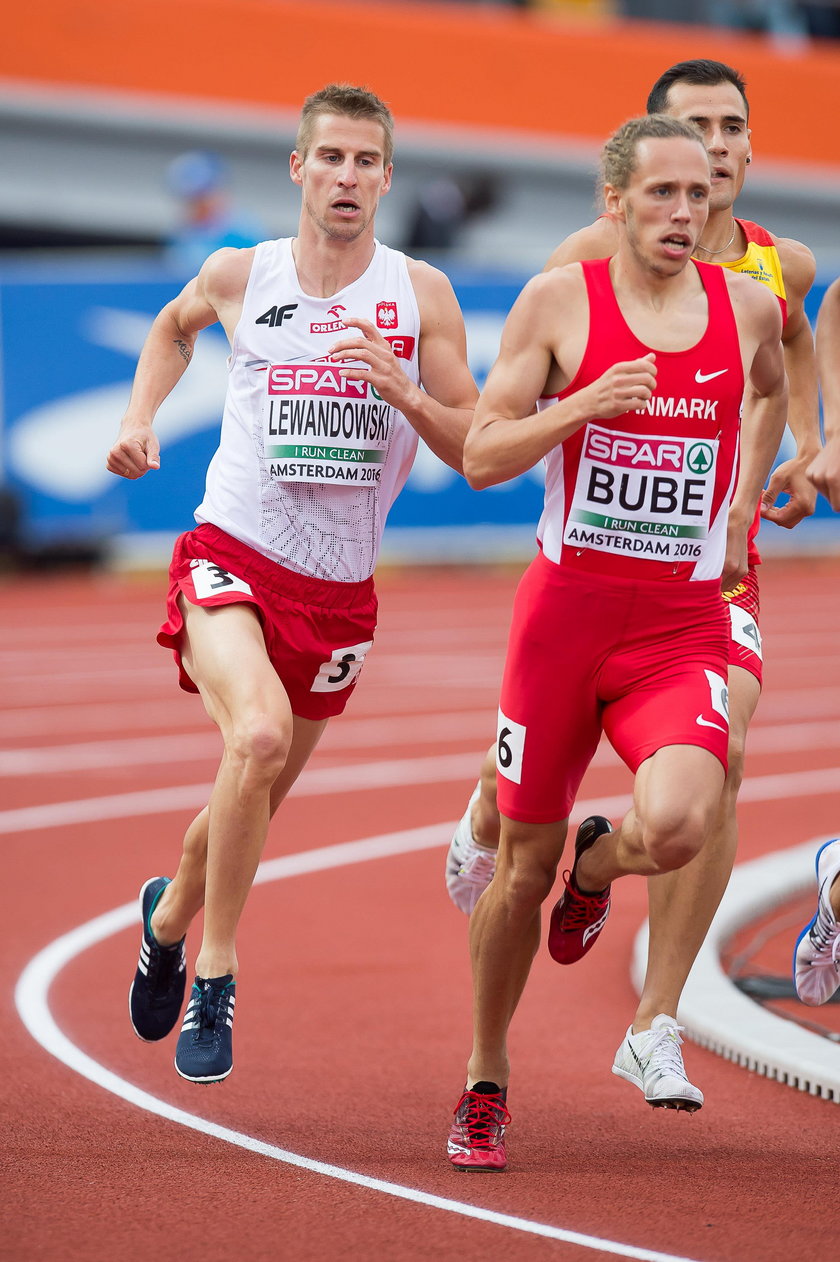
{"x": 184, "y": 350}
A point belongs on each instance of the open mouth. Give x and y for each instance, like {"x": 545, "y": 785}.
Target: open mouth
{"x": 345, "y": 207}
{"x": 720, "y": 173}
{"x": 676, "y": 241}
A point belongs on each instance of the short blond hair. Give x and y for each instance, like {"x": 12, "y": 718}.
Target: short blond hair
{"x": 351, "y": 102}
{"x": 619, "y": 157}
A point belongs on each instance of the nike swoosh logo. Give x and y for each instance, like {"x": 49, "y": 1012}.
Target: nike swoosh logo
{"x": 700, "y": 377}
{"x": 705, "y": 723}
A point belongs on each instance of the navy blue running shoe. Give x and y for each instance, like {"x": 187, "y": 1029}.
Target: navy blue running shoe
{"x": 157, "y": 992}
{"x": 205, "y": 1045}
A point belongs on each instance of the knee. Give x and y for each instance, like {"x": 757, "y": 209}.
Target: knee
{"x": 526, "y": 882}
{"x": 259, "y": 748}
{"x": 672, "y": 839}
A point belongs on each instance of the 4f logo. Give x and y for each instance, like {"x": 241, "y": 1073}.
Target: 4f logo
{"x": 276, "y": 315}
{"x": 386, "y": 315}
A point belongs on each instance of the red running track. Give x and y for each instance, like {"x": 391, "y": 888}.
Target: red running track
{"x": 353, "y": 1018}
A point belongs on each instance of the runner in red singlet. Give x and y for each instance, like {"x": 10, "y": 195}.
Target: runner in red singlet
{"x": 682, "y": 905}
{"x": 641, "y": 465}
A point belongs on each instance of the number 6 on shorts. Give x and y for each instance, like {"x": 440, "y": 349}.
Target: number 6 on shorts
{"x": 510, "y": 746}
{"x": 342, "y": 668}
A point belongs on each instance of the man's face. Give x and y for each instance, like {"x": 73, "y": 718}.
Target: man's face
{"x": 719, "y": 112}
{"x": 342, "y": 177}
{"x": 665, "y": 204}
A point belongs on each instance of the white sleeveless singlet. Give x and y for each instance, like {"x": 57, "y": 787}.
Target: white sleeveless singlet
{"x": 309, "y": 464}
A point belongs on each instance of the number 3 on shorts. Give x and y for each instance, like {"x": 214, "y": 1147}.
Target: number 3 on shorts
{"x": 342, "y": 668}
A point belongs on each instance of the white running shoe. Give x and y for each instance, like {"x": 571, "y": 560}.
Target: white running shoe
{"x": 653, "y": 1062}
{"x": 469, "y": 867}
{"x": 816, "y": 956}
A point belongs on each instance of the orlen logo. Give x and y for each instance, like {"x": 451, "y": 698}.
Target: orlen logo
{"x": 402, "y": 346}
{"x": 386, "y": 315}
{"x": 628, "y": 452}
{"x": 336, "y": 325}
{"x": 298, "y": 379}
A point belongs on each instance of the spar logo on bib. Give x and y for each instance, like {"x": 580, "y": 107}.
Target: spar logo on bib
{"x": 700, "y": 458}
{"x": 319, "y": 426}
{"x": 642, "y": 494}
{"x": 323, "y": 380}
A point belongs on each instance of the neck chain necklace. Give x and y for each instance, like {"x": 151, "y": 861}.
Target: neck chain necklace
{"x": 723, "y": 248}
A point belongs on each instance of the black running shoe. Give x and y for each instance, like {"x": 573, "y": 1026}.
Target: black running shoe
{"x": 157, "y": 992}
{"x": 205, "y": 1045}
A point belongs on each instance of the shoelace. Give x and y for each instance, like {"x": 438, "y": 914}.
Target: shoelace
{"x": 483, "y": 1117}
{"x": 664, "y": 1051}
{"x": 478, "y": 867}
{"x": 164, "y": 966}
{"x": 824, "y": 934}
{"x": 578, "y": 908}
{"x": 212, "y": 1007}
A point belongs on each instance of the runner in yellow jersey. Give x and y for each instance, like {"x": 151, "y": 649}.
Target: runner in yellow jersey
{"x": 682, "y": 904}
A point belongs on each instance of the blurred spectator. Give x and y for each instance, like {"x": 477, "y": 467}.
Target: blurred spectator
{"x": 443, "y": 207}
{"x": 208, "y": 220}
{"x": 775, "y": 17}
{"x": 822, "y": 18}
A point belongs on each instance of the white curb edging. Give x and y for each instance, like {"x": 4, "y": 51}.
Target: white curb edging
{"x": 718, "y": 1016}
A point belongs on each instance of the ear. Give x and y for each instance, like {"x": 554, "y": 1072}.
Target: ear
{"x": 386, "y": 177}
{"x": 612, "y": 201}
{"x": 749, "y": 138}
{"x": 295, "y": 165}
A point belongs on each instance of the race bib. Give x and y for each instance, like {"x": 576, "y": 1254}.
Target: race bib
{"x": 643, "y": 495}
{"x": 342, "y": 668}
{"x": 320, "y": 427}
{"x": 510, "y": 748}
{"x": 210, "y": 580}
{"x": 745, "y": 630}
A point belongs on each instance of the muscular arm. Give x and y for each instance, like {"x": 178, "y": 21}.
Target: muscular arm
{"x": 790, "y": 478}
{"x": 824, "y": 472}
{"x": 507, "y": 437}
{"x": 440, "y": 411}
{"x": 166, "y": 353}
{"x": 759, "y": 323}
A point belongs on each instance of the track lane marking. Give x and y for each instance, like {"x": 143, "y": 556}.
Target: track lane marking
{"x": 32, "y": 1002}
{"x": 440, "y": 769}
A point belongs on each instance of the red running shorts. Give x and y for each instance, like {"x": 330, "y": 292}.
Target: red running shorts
{"x": 744, "y": 636}
{"x": 317, "y": 632}
{"x": 645, "y": 662}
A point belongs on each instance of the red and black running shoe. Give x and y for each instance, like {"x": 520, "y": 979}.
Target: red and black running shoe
{"x": 578, "y": 918}
{"x": 477, "y": 1137}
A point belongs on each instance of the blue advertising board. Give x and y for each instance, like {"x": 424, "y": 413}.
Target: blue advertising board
{"x": 70, "y": 341}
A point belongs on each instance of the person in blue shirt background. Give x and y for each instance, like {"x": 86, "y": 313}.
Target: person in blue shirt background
{"x": 200, "y": 181}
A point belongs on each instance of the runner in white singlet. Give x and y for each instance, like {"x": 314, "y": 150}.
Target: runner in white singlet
{"x": 343, "y": 354}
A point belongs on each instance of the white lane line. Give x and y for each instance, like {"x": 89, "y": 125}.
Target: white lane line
{"x": 193, "y": 746}
{"x": 358, "y": 734}
{"x": 441, "y": 769}
{"x": 31, "y": 998}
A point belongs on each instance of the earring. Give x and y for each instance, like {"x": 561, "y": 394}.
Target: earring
{"x": 749, "y": 160}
